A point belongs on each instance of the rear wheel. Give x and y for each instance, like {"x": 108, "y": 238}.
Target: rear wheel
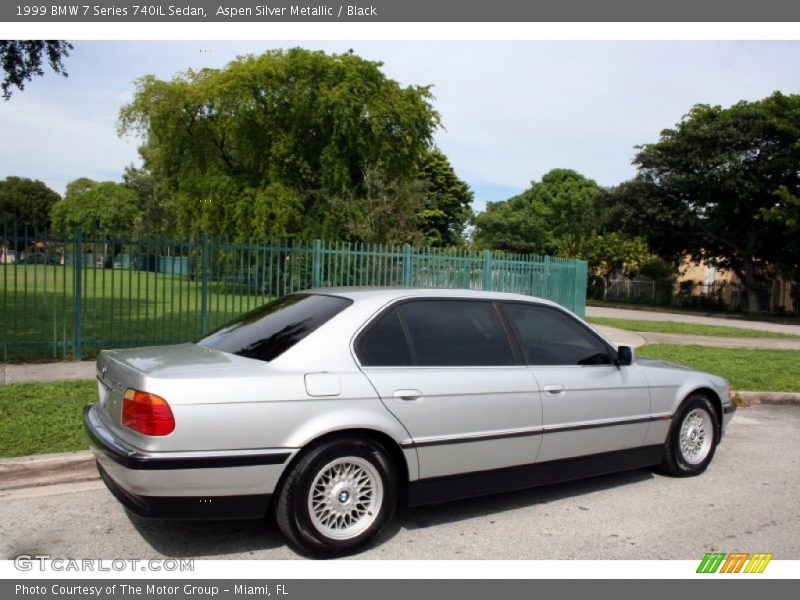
{"x": 337, "y": 496}
{"x": 692, "y": 439}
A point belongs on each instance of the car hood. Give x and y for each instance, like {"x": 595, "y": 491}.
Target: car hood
{"x": 662, "y": 364}
{"x": 662, "y": 371}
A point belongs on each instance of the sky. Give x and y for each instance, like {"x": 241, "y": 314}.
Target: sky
{"x": 511, "y": 110}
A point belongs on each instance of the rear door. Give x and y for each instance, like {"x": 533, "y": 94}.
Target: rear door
{"x": 590, "y": 405}
{"x": 447, "y": 369}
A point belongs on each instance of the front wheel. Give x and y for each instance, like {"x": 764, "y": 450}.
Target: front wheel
{"x": 692, "y": 439}
{"x": 338, "y": 496}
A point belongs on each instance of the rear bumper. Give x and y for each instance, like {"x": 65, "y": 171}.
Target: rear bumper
{"x": 188, "y": 507}
{"x": 193, "y": 485}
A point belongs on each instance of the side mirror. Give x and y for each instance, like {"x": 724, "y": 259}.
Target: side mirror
{"x": 624, "y": 356}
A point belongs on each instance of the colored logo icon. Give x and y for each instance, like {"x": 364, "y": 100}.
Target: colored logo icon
{"x": 735, "y": 562}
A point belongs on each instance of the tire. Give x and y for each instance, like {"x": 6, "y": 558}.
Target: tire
{"x": 692, "y": 439}
{"x": 337, "y": 496}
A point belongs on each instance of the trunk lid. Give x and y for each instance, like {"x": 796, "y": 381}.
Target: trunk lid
{"x": 118, "y": 370}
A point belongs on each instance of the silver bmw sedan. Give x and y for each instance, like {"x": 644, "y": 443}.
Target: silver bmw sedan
{"x": 334, "y": 406}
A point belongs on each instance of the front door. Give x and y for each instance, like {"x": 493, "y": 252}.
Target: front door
{"x": 589, "y": 404}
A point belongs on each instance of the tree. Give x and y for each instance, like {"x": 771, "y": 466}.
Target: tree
{"x": 639, "y": 208}
{"x": 100, "y": 208}
{"x": 388, "y": 213}
{"x": 296, "y": 124}
{"x": 446, "y": 204}
{"x": 733, "y": 173}
{"x": 26, "y": 203}
{"x": 157, "y": 212}
{"x": 22, "y": 59}
{"x": 611, "y": 253}
{"x": 548, "y": 218}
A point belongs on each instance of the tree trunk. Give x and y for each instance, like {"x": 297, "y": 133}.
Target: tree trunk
{"x": 750, "y": 285}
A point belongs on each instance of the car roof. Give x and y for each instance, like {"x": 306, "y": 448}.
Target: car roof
{"x": 391, "y": 293}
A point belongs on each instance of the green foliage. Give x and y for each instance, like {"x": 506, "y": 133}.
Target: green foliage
{"x": 277, "y": 143}
{"x": 387, "y": 213}
{"x": 26, "y": 203}
{"x": 655, "y": 267}
{"x": 157, "y": 212}
{"x": 22, "y": 59}
{"x": 101, "y": 208}
{"x": 611, "y": 253}
{"x": 640, "y": 208}
{"x": 447, "y": 202}
{"x": 732, "y": 176}
{"x": 560, "y": 216}
{"x": 548, "y": 218}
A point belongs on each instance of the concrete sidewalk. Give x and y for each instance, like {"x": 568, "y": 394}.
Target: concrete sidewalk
{"x": 647, "y": 315}
{"x": 59, "y": 371}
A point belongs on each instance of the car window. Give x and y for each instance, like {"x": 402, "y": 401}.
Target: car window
{"x": 456, "y": 333}
{"x": 384, "y": 343}
{"x": 271, "y": 329}
{"x": 552, "y": 337}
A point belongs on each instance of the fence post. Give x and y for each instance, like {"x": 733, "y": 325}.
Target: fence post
{"x": 204, "y": 286}
{"x": 316, "y": 264}
{"x": 548, "y": 278}
{"x": 77, "y": 293}
{"x": 467, "y": 280}
{"x": 581, "y": 282}
{"x": 407, "y": 265}
{"x": 487, "y": 270}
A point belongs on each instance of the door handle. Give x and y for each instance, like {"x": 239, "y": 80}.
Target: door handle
{"x": 407, "y": 395}
{"x": 556, "y": 390}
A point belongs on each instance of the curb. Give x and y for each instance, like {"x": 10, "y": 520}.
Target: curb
{"x": 770, "y": 398}
{"x": 47, "y": 469}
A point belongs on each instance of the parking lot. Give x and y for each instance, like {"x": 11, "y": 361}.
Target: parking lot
{"x": 746, "y": 501}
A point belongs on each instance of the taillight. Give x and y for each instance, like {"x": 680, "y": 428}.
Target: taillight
{"x": 147, "y": 413}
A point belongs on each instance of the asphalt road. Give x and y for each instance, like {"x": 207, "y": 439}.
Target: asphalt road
{"x": 746, "y": 501}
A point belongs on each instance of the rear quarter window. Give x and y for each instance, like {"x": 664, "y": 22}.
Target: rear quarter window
{"x": 270, "y": 330}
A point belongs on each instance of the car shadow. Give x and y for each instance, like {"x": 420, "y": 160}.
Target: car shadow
{"x": 189, "y": 539}
{"x": 192, "y": 539}
{"x": 432, "y": 515}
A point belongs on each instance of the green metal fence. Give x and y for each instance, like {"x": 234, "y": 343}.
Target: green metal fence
{"x": 73, "y": 295}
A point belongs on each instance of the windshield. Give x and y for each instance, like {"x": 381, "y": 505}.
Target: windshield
{"x": 271, "y": 329}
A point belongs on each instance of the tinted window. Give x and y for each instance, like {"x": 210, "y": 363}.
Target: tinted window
{"x": 551, "y": 337}
{"x": 384, "y": 343}
{"x": 272, "y": 329}
{"x": 456, "y": 333}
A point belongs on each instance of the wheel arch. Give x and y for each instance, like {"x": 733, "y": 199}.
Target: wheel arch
{"x": 380, "y": 438}
{"x": 713, "y": 396}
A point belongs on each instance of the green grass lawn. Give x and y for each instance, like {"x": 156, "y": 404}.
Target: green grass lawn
{"x": 681, "y": 328}
{"x": 747, "y": 369}
{"x": 42, "y": 418}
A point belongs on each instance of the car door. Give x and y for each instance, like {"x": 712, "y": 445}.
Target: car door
{"x": 590, "y": 405}
{"x": 446, "y": 368}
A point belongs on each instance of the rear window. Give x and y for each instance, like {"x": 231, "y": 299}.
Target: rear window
{"x": 384, "y": 343}
{"x": 456, "y": 333}
{"x": 271, "y": 329}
